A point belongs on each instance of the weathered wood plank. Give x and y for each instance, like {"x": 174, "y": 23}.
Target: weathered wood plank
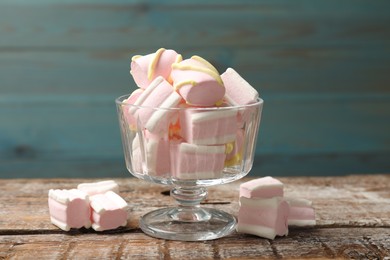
{"x": 352, "y": 217}
{"x": 260, "y": 23}
{"x": 342, "y": 136}
{"x": 292, "y": 52}
{"x": 321, "y": 243}
{"x": 275, "y": 70}
{"x": 339, "y": 201}
{"x": 366, "y": 243}
{"x": 279, "y": 164}
{"x": 321, "y": 164}
{"x": 331, "y": 125}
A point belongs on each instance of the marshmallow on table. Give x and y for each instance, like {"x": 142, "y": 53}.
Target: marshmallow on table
{"x": 108, "y": 211}
{"x": 94, "y": 188}
{"x": 145, "y": 69}
{"x": 301, "y": 212}
{"x": 160, "y": 94}
{"x": 266, "y": 187}
{"x": 198, "y": 82}
{"x": 208, "y": 127}
{"x": 191, "y": 161}
{"x": 156, "y": 155}
{"x": 69, "y": 209}
{"x": 238, "y": 90}
{"x": 263, "y": 217}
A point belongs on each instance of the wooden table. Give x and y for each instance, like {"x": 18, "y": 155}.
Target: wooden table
{"x": 352, "y": 212}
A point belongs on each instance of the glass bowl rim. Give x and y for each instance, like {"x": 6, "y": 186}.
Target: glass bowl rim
{"x": 119, "y": 101}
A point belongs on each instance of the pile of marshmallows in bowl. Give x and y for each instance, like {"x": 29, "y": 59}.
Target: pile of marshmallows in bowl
{"x": 166, "y": 80}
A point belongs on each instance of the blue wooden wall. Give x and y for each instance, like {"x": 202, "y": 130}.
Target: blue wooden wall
{"x": 322, "y": 67}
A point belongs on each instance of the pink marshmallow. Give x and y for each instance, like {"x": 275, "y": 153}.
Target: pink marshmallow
{"x": 136, "y": 156}
{"x": 208, "y": 127}
{"x": 266, "y": 218}
{"x": 130, "y": 119}
{"x": 191, "y": 162}
{"x": 69, "y": 209}
{"x": 109, "y": 211}
{"x": 134, "y": 96}
{"x": 238, "y": 90}
{"x": 198, "y": 82}
{"x": 145, "y": 69}
{"x": 159, "y": 94}
{"x": 156, "y": 156}
{"x": 100, "y": 187}
{"x": 266, "y": 187}
{"x": 301, "y": 212}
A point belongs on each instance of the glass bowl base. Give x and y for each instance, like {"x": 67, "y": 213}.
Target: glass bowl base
{"x": 190, "y": 224}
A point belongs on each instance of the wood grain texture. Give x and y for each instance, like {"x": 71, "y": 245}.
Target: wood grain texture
{"x": 265, "y": 22}
{"x": 321, "y": 67}
{"x": 364, "y": 243}
{"x": 351, "y": 213}
{"x": 275, "y": 70}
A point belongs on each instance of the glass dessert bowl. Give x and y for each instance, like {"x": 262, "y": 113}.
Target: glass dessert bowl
{"x": 189, "y": 149}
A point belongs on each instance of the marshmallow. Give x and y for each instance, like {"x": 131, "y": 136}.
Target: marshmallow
{"x": 136, "y": 156}
{"x": 266, "y": 187}
{"x": 159, "y": 94}
{"x": 159, "y": 135}
{"x": 301, "y": 212}
{"x": 208, "y": 127}
{"x": 238, "y": 90}
{"x": 263, "y": 199}
{"x": 266, "y": 218}
{"x": 156, "y": 155}
{"x": 145, "y": 69}
{"x": 134, "y": 96}
{"x": 69, "y": 209}
{"x": 109, "y": 211}
{"x": 129, "y": 118}
{"x": 94, "y": 188}
{"x": 192, "y": 162}
{"x": 198, "y": 82}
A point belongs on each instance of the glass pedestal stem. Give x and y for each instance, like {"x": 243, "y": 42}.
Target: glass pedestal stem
{"x": 188, "y": 221}
{"x": 189, "y": 209}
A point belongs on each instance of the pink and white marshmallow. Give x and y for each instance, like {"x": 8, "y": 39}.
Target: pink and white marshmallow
{"x": 159, "y": 94}
{"x": 238, "y": 90}
{"x": 301, "y": 212}
{"x": 198, "y": 82}
{"x": 69, "y": 209}
{"x": 208, "y": 127}
{"x": 145, "y": 69}
{"x": 129, "y": 118}
{"x": 109, "y": 211}
{"x": 257, "y": 195}
{"x": 93, "y": 188}
{"x": 154, "y": 151}
{"x": 266, "y": 218}
{"x": 194, "y": 162}
{"x": 266, "y": 187}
